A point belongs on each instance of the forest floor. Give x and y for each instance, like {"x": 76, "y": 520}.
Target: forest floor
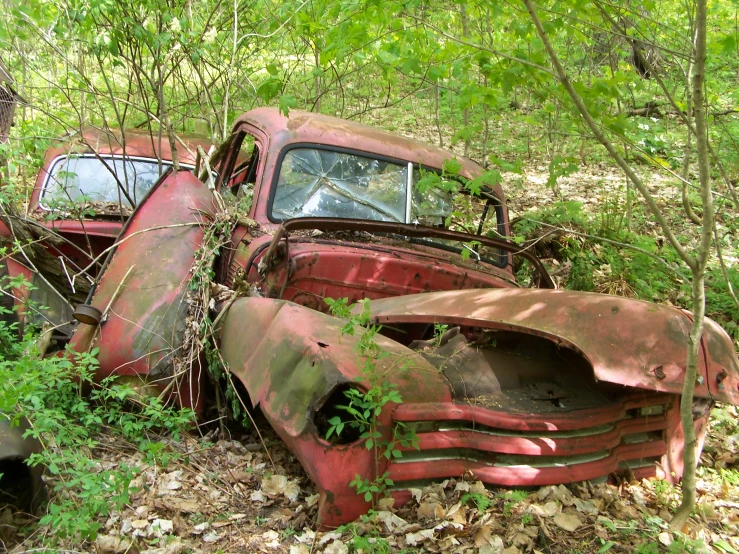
{"x": 237, "y": 494}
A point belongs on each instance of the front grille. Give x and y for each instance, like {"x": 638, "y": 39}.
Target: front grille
{"x": 532, "y": 449}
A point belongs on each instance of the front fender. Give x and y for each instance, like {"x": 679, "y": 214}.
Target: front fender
{"x": 291, "y": 359}
{"x": 626, "y": 341}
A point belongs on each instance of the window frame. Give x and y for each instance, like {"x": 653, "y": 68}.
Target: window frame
{"x": 492, "y": 198}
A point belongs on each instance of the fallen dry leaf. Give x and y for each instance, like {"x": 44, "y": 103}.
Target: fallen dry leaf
{"x": 586, "y": 506}
{"x": 547, "y": 510}
{"x": 562, "y": 493}
{"x": 485, "y": 537}
{"x": 107, "y": 544}
{"x": 336, "y": 547}
{"x": 391, "y": 521}
{"x": 276, "y": 485}
{"x": 430, "y": 510}
{"x": 494, "y": 547}
{"x": 412, "y": 539}
{"x": 568, "y": 522}
{"x": 176, "y": 504}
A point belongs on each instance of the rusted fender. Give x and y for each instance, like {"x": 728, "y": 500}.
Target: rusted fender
{"x": 143, "y": 290}
{"x": 291, "y": 359}
{"x": 628, "y": 342}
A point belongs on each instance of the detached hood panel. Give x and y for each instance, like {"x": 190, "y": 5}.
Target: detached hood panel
{"x": 628, "y": 342}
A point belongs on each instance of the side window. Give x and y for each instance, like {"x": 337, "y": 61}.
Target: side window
{"x": 106, "y": 179}
{"x": 432, "y": 205}
{"x": 240, "y": 170}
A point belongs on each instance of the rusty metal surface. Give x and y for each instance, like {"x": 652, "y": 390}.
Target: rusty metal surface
{"x": 142, "y": 292}
{"x": 290, "y": 359}
{"x": 628, "y": 432}
{"x": 402, "y": 229}
{"x": 628, "y": 342}
{"x": 528, "y": 474}
{"x": 317, "y": 270}
{"x": 14, "y": 299}
{"x": 723, "y": 379}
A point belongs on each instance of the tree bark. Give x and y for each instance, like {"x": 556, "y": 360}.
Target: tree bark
{"x": 699, "y": 271}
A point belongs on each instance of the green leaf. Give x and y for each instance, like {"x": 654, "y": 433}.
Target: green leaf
{"x": 728, "y": 44}
{"x": 269, "y": 89}
{"x": 725, "y": 546}
{"x": 287, "y": 102}
{"x": 451, "y": 166}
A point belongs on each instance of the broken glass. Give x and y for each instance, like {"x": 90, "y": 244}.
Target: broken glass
{"x": 315, "y": 182}
{"x": 322, "y": 183}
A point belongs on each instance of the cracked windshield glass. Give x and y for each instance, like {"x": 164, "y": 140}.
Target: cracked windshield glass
{"x": 322, "y": 183}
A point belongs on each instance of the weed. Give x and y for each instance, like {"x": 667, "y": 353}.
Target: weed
{"x": 663, "y": 490}
{"x": 439, "y": 330}
{"x": 511, "y": 499}
{"x": 481, "y": 501}
{"x": 364, "y": 407}
{"x": 47, "y": 392}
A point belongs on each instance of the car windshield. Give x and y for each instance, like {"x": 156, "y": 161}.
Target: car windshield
{"x": 315, "y": 182}
{"x": 96, "y": 179}
{"x": 323, "y": 183}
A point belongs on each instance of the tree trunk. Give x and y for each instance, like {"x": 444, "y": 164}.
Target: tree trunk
{"x": 697, "y": 263}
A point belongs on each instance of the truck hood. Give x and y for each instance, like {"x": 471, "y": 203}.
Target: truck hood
{"x": 626, "y": 341}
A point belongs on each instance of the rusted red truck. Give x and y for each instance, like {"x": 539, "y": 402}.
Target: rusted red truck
{"x": 513, "y": 386}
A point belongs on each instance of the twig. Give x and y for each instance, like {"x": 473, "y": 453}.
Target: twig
{"x": 615, "y": 243}
{"x": 723, "y": 267}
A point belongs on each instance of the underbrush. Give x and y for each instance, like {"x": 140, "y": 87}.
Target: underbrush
{"x": 71, "y": 416}
{"x": 599, "y": 252}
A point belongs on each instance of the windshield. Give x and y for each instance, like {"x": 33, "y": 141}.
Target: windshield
{"x": 322, "y": 183}
{"x": 96, "y": 179}
{"x": 314, "y": 182}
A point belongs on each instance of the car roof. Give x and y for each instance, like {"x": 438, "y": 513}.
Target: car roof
{"x": 309, "y": 127}
{"x": 138, "y": 143}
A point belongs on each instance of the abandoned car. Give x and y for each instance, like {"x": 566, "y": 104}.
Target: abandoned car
{"x": 512, "y": 386}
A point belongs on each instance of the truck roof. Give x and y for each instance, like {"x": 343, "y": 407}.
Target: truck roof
{"x": 314, "y": 128}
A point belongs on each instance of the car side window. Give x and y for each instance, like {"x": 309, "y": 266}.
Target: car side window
{"x": 243, "y": 176}
{"x": 106, "y": 179}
